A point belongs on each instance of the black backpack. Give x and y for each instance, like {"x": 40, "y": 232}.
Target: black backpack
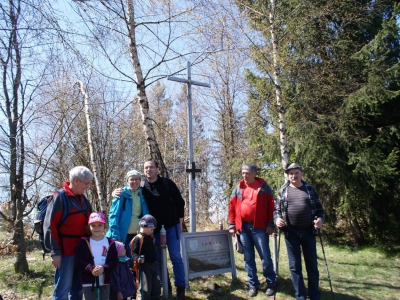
{"x": 41, "y": 209}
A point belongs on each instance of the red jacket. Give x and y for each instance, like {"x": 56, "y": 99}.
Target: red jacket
{"x": 63, "y": 240}
{"x": 264, "y": 206}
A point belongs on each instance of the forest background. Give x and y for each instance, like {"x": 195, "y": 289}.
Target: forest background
{"x": 312, "y": 82}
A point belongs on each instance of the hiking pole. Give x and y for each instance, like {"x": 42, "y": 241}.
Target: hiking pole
{"x": 326, "y": 264}
{"x": 277, "y": 262}
{"x": 98, "y": 287}
{"x": 141, "y": 274}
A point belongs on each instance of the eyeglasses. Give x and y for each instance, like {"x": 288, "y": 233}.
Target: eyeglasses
{"x": 86, "y": 183}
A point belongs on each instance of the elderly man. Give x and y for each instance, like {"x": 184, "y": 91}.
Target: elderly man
{"x": 251, "y": 213}
{"x": 298, "y": 212}
{"x": 62, "y": 236}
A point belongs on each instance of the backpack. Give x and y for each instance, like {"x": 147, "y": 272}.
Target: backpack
{"x": 135, "y": 268}
{"x": 41, "y": 209}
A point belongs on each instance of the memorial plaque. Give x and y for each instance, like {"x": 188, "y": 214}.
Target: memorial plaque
{"x": 207, "y": 253}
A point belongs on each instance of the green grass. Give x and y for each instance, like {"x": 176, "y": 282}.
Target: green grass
{"x": 365, "y": 273}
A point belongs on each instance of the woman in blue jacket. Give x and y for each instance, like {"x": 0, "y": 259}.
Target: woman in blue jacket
{"x": 126, "y": 211}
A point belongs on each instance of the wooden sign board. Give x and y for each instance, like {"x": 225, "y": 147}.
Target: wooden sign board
{"x": 207, "y": 253}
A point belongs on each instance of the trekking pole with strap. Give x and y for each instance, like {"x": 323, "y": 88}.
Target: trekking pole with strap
{"x": 277, "y": 262}
{"x": 141, "y": 274}
{"x": 98, "y": 287}
{"x": 326, "y": 263}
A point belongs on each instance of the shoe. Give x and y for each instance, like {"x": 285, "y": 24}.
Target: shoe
{"x": 252, "y": 291}
{"x": 270, "y": 291}
{"x": 180, "y": 292}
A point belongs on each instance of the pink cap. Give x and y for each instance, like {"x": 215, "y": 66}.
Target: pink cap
{"x": 120, "y": 247}
{"x": 97, "y": 217}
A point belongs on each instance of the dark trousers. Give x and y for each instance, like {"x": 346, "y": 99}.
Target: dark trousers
{"x": 149, "y": 281}
{"x": 300, "y": 240}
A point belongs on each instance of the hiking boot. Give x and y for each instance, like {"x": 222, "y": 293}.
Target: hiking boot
{"x": 252, "y": 291}
{"x": 180, "y": 293}
{"x": 270, "y": 291}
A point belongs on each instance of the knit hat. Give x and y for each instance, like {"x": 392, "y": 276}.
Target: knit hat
{"x": 148, "y": 221}
{"x": 293, "y": 166}
{"x": 97, "y": 217}
{"x": 120, "y": 248}
{"x": 133, "y": 173}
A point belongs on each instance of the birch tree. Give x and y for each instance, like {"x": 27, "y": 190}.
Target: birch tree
{"x": 151, "y": 33}
{"x": 93, "y": 160}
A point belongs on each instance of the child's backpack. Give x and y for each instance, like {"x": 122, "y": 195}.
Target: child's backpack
{"x": 41, "y": 209}
{"x": 135, "y": 268}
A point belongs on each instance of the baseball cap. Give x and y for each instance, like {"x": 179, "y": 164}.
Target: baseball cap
{"x": 97, "y": 217}
{"x": 293, "y": 166}
{"x": 148, "y": 221}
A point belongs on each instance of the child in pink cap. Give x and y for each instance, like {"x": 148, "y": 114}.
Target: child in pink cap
{"x": 96, "y": 257}
{"x": 122, "y": 282}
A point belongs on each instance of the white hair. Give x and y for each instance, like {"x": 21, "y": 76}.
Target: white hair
{"x": 80, "y": 172}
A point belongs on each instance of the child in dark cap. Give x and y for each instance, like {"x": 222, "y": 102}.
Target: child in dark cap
{"x": 145, "y": 254}
{"x": 122, "y": 282}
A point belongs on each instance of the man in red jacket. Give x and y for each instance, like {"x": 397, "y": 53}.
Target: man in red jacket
{"x": 62, "y": 240}
{"x": 251, "y": 214}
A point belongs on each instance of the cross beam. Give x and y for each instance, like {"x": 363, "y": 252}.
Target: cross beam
{"x": 193, "y": 170}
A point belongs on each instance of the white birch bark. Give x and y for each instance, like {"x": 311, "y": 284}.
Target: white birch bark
{"x": 91, "y": 150}
{"x": 278, "y": 92}
{"x": 141, "y": 87}
{"x": 281, "y": 115}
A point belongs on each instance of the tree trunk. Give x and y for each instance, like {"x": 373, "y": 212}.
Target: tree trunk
{"x": 278, "y": 92}
{"x": 142, "y": 97}
{"x": 91, "y": 149}
{"x": 12, "y": 72}
{"x": 281, "y": 114}
{"x": 21, "y": 263}
{"x": 356, "y": 230}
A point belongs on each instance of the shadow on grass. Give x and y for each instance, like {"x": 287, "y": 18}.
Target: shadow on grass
{"x": 285, "y": 287}
{"x": 328, "y": 295}
{"x": 354, "y": 285}
{"x": 372, "y": 265}
{"x": 32, "y": 282}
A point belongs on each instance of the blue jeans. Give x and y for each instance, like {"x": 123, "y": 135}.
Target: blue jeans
{"x": 255, "y": 237}
{"x": 174, "y": 251}
{"x": 67, "y": 280}
{"x": 296, "y": 238}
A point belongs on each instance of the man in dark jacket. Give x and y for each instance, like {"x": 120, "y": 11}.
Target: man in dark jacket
{"x": 298, "y": 212}
{"x": 251, "y": 213}
{"x": 62, "y": 241}
{"x": 166, "y": 205}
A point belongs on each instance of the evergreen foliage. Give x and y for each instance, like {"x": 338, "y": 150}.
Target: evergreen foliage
{"x": 340, "y": 87}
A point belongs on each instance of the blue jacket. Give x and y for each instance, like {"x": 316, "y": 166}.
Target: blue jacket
{"x": 120, "y": 218}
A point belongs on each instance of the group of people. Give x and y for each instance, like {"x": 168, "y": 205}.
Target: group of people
{"x": 89, "y": 261}
{"x": 296, "y": 211}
